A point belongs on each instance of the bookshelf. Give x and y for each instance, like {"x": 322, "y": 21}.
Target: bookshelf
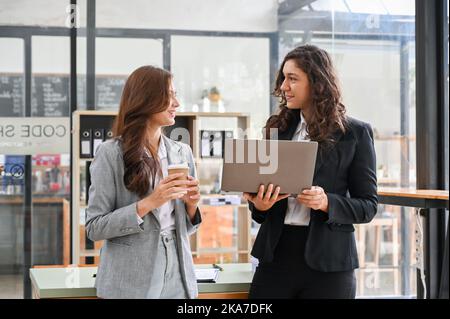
{"x": 82, "y": 248}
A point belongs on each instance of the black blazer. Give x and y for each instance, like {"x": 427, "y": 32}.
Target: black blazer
{"x": 347, "y": 173}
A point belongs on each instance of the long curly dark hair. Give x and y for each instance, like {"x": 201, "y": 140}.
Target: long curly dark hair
{"x": 327, "y": 110}
{"x": 146, "y": 92}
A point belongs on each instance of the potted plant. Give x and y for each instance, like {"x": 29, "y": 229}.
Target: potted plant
{"x": 214, "y": 94}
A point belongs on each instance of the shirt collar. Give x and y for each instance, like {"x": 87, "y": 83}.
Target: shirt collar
{"x": 162, "y": 151}
{"x": 301, "y": 125}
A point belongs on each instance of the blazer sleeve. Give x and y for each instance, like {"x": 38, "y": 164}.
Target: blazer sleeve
{"x": 103, "y": 219}
{"x": 260, "y": 216}
{"x": 192, "y": 225}
{"x": 361, "y": 206}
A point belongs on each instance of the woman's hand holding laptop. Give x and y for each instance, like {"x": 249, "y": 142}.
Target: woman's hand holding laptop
{"x": 264, "y": 201}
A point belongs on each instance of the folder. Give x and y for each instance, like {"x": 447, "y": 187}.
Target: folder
{"x": 227, "y": 135}
{"x": 217, "y": 144}
{"x": 86, "y": 143}
{"x": 88, "y": 180}
{"x": 205, "y": 145}
{"x": 98, "y": 139}
{"x": 109, "y": 134}
{"x": 206, "y": 274}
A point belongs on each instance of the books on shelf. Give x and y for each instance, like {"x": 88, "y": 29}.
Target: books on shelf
{"x": 222, "y": 200}
{"x": 206, "y": 274}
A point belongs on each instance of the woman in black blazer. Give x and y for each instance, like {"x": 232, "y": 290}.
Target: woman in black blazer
{"x": 306, "y": 245}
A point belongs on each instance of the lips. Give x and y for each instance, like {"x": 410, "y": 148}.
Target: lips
{"x": 288, "y": 97}
{"x": 172, "y": 114}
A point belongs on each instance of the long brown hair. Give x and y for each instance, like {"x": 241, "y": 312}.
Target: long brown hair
{"x": 327, "y": 110}
{"x": 146, "y": 92}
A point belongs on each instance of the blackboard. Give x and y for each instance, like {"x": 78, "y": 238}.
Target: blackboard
{"x": 107, "y": 94}
{"x": 109, "y": 91}
{"x": 12, "y": 95}
{"x": 50, "y": 94}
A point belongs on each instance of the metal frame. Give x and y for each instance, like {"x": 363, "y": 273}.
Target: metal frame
{"x": 90, "y": 56}
{"x": 73, "y": 100}
{"x": 431, "y": 21}
{"x": 28, "y": 178}
{"x": 413, "y": 202}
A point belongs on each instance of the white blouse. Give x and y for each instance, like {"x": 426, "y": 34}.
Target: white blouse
{"x": 296, "y": 213}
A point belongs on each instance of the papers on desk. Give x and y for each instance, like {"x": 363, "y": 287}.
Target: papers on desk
{"x": 206, "y": 274}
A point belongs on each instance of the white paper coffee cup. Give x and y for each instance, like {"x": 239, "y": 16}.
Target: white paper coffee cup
{"x": 178, "y": 168}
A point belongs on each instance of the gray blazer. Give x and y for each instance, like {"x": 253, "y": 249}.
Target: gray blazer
{"x": 127, "y": 258}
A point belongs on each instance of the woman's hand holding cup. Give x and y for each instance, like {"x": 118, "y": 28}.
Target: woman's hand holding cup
{"x": 172, "y": 187}
{"x": 192, "y": 196}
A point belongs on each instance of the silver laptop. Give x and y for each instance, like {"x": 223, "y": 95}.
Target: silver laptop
{"x": 250, "y": 163}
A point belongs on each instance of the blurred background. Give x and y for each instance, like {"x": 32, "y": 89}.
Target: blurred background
{"x": 60, "y": 56}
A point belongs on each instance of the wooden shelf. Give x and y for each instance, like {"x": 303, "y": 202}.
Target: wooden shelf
{"x": 90, "y": 253}
{"x": 191, "y": 121}
{"x": 219, "y": 250}
{"x": 50, "y": 167}
{"x": 414, "y": 193}
{"x": 224, "y": 205}
{"x": 394, "y": 138}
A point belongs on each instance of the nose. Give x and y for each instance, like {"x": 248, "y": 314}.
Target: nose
{"x": 284, "y": 87}
{"x": 175, "y": 102}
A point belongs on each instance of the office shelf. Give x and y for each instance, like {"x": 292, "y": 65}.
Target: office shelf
{"x": 188, "y": 120}
{"x": 89, "y": 253}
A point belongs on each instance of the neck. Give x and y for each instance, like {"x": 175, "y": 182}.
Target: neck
{"x": 154, "y": 136}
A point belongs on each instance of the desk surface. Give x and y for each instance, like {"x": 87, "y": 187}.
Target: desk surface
{"x": 76, "y": 282}
{"x": 420, "y": 198}
{"x": 415, "y": 193}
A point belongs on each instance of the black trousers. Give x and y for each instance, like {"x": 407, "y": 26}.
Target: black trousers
{"x": 289, "y": 277}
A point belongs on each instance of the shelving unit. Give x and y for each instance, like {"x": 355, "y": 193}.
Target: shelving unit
{"x": 188, "y": 120}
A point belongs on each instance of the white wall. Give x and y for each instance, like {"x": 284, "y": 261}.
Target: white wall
{"x": 122, "y": 56}
{"x": 34, "y": 12}
{"x": 238, "y": 67}
{"x": 369, "y": 74}
{"x": 50, "y": 55}
{"x": 210, "y": 15}
{"x": 12, "y": 55}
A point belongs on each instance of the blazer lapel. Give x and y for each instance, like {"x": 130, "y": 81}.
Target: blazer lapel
{"x": 325, "y": 155}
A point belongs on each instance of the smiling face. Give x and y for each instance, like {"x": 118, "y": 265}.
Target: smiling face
{"x": 167, "y": 117}
{"x": 295, "y": 87}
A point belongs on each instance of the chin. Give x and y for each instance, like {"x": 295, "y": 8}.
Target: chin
{"x": 292, "y": 107}
{"x": 169, "y": 122}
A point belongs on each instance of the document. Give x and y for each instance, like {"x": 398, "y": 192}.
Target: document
{"x": 206, "y": 274}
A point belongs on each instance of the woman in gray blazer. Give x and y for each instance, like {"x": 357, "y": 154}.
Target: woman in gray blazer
{"x": 144, "y": 216}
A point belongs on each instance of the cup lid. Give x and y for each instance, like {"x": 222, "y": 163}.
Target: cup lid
{"x": 175, "y": 166}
